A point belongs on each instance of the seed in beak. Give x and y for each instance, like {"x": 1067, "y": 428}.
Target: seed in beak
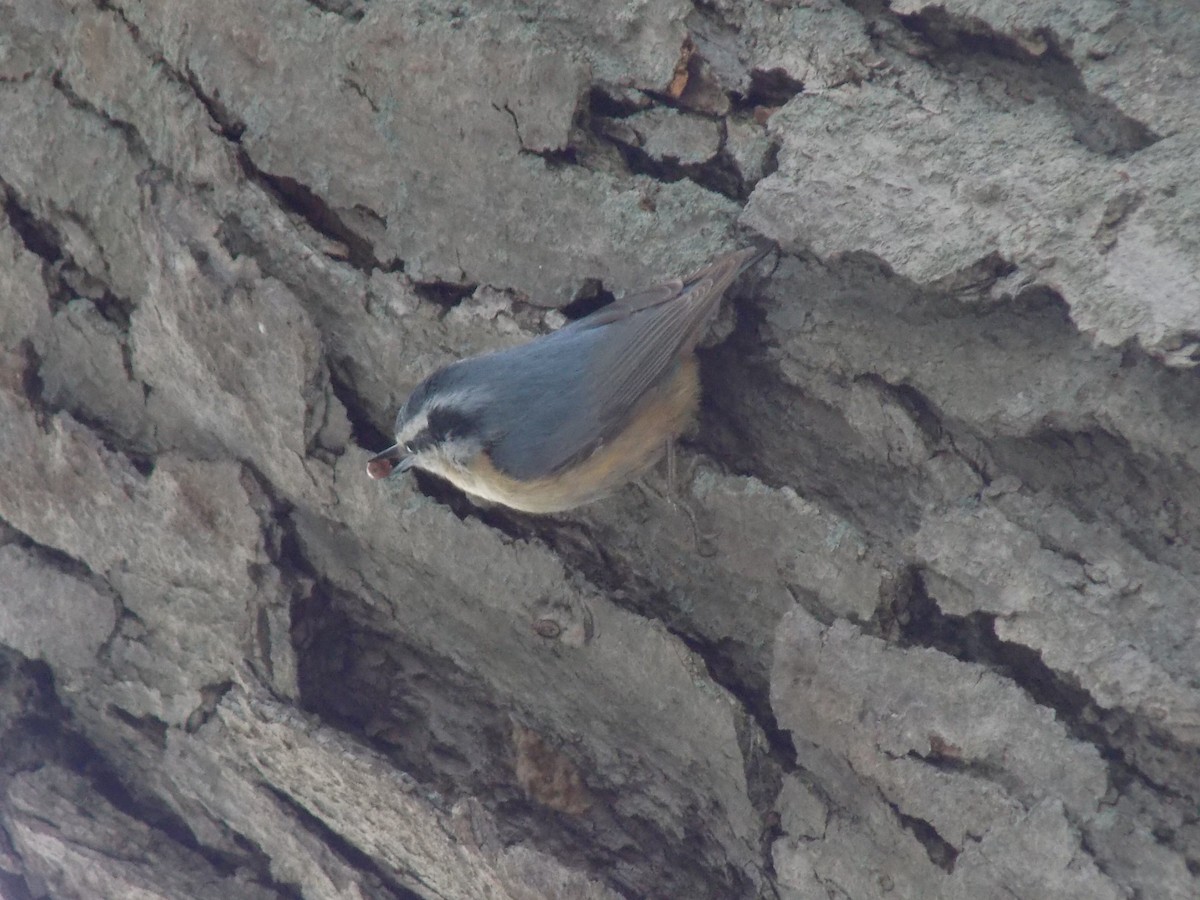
{"x": 380, "y": 467}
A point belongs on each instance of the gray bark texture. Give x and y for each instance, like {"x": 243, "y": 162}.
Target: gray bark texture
{"x": 934, "y": 630}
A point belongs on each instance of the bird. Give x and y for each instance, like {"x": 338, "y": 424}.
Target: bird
{"x": 572, "y": 415}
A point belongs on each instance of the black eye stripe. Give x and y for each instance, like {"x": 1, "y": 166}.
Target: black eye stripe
{"x": 420, "y": 442}
{"x": 447, "y": 423}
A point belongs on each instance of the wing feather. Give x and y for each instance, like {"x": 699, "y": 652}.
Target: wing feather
{"x": 622, "y": 351}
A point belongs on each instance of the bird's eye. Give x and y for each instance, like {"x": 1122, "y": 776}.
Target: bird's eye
{"x": 409, "y": 449}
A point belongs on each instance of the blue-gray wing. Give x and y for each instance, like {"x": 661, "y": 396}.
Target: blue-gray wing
{"x": 571, "y": 391}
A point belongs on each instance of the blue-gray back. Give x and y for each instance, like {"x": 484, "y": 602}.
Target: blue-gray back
{"x": 554, "y": 400}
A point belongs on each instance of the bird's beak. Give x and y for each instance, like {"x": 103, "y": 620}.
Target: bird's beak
{"x": 391, "y": 461}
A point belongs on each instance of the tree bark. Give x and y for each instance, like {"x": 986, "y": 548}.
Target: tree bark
{"x": 933, "y": 631}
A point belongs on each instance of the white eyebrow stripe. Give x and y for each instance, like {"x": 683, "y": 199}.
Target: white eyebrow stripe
{"x": 413, "y": 427}
{"x": 458, "y": 399}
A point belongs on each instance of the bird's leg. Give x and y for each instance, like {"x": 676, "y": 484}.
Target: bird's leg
{"x": 672, "y": 484}
{"x": 705, "y": 545}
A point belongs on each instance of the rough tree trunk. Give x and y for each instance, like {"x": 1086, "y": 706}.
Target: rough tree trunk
{"x": 938, "y": 637}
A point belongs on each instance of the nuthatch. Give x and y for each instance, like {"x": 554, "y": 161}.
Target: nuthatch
{"x": 571, "y": 415}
